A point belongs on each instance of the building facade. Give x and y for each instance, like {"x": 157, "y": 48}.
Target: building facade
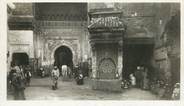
{"x": 116, "y": 36}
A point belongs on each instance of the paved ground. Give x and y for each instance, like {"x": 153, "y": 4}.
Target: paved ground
{"x": 40, "y": 89}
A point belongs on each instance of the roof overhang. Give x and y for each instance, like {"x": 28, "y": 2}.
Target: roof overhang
{"x": 20, "y": 22}
{"x": 106, "y": 21}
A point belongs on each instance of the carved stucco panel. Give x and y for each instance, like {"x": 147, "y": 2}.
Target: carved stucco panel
{"x": 107, "y": 51}
{"x": 20, "y": 48}
{"x": 106, "y": 68}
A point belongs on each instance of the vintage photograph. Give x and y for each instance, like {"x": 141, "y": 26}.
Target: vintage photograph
{"x": 93, "y": 51}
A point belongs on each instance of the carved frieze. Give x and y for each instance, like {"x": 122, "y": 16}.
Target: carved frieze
{"x": 52, "y": 43}
{"x": 61, "y": 24}
{"x": 102, "y": 22}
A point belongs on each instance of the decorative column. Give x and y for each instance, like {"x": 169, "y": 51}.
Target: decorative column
{"x": 35, "y": 43}
{"x": 94, "y": 65}
{"x": 120, "y": 59}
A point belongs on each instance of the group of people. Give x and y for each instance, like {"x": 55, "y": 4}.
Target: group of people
{"x": 66, "y": 73}
{"x": 138, "y": 79}
{"x": 141, "y": 75}
{"x": 79, "y": 76}
{"x": 19, "y": 76}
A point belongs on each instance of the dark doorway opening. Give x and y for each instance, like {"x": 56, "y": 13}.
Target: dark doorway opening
{"x": 136, "y": 55}
{"x": 20, "y": 59}
{"x": 63, "y": 56}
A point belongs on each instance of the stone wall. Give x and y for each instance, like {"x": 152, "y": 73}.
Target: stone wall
{"x": 52, "y": 35}
{"x": 60, "y": 24}
{"x": 20, "y": 41}
{"x": 167, "y": 42}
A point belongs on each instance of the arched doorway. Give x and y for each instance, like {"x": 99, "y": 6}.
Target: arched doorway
{"x": 136, "y": 55}
{"x": 20, "y": 59}
{"x": 63, "y": 56}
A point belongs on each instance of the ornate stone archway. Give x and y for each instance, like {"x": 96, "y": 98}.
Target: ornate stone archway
{"x": 67, "y": 44}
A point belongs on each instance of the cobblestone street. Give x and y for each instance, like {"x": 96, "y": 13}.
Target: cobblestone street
{"x": 40, "y": 89}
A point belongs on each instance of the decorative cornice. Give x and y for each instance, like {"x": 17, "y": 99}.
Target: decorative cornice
{"x": 60, "y": 24}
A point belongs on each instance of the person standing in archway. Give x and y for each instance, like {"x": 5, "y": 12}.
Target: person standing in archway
{"x": 145, "y": 80}
{"x": 55, "y": 77}
{"x": 69, "y": 72}
{"x": 138, "y": 76}
{"x": 64, "y": 72}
